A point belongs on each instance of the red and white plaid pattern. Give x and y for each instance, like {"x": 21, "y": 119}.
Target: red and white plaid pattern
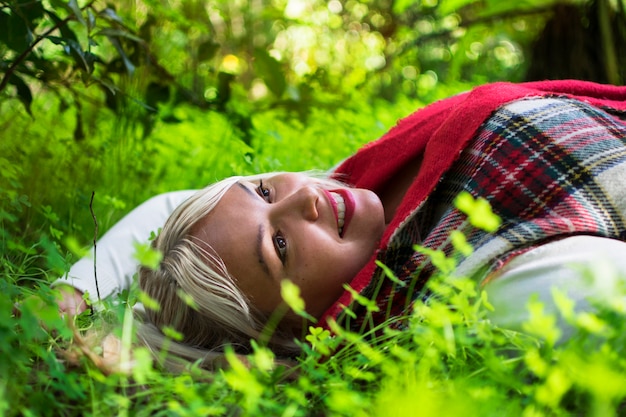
{"x": 550, "y": 167}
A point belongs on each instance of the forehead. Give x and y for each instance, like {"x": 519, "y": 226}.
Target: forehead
{"x": 230, "y": 229}
{"x": 234, "y": 231}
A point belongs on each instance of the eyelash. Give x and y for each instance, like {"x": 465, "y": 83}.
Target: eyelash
{"x": 263, "y": 192}
{"x": 280, "y": 242}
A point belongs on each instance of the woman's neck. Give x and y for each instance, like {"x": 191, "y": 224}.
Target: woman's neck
{"x": 394, "y": 190}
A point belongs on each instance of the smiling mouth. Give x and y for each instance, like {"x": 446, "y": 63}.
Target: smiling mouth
{"x": 341, "y": 211}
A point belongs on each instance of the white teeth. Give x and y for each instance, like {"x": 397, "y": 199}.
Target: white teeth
{"x": 341, "y": 211}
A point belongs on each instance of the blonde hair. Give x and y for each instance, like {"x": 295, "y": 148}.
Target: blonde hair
{"x": 197, "y": 296}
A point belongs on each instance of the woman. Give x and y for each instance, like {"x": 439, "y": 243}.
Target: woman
{"x": 550, "y": 158}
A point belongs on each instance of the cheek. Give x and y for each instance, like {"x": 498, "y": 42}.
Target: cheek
{"x": 324, "y": 275}
{"x": 340, "y": 266}
{"x": 326, "y": 265}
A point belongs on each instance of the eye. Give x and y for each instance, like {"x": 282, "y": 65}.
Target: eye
{"x": 264, "y": 192}
{"x": 280, "y": 244}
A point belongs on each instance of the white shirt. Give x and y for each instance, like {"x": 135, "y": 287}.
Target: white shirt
{"x": 115, "y": 261}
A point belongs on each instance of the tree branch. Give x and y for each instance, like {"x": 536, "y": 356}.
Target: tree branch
{"x": 466, "y": 23}
{"x": 95, "y": 239}
{"x": 9, "y": 72}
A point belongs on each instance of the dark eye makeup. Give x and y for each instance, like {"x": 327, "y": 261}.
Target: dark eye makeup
{"x": 263, "y": 191}
{"x": 279, "y": 241}
{"x": 280, "y": 244}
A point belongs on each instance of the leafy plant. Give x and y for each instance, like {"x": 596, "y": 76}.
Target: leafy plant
{"x": 132, "y": 99}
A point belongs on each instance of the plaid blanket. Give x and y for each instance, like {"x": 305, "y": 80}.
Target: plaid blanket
{"x": 550, "y": 167}
{"x": 437, "y": 134}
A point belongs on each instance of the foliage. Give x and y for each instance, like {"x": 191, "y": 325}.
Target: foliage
{"x": 104, "y": 93}
{"x": 129, "y": 99}
{"x": 448, "y": 359}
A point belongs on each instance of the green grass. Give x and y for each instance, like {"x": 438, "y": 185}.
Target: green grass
{"x": 449, "y": 360}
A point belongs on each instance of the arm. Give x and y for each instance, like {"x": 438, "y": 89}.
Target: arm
{"x": 115, "y": 263}
{"x": 70, "y": 300}
{"x": 586, "y": 268}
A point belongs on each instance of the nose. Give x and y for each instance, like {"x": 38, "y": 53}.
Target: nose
{"x": 302, "y": 202}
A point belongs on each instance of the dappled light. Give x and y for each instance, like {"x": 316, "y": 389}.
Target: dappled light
{"x": 107, "y": 104}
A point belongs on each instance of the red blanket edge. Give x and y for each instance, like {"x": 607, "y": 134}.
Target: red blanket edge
{"x": 440, "y": 131}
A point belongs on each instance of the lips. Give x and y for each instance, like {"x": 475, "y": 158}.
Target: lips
{"x": 342, "y": 203}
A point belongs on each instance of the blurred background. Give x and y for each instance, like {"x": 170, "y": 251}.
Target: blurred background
{"x": 128, "y": 98}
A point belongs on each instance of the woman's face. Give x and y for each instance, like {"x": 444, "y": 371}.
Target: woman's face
{"x": 290, "y": 226}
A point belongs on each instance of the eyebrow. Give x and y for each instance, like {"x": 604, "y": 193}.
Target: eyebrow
{"x": 249, "y": 191}
{"x": 259, "y": 238}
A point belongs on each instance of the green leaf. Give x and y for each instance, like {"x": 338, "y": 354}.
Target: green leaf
{"x": 390, "y": 274}
{"x": 72, "y": 7}
{"x": 241, "y": 379}
{"x": 111, "y": 15}
{"x": 118, "y": 33}
{"x": 75, "y": 51}
{"x": 54, "y": 260}
{"x": 55, "y": 40}
{"x": 187, "y": 299}
{"x": 66, "y": 33}
{"x": 536, "y": 363}
{"x": 110, "y": 92}
{"x": 439, "y": 259}
{"x": 460, "y": 243}
{"x": 78, "y": 14}
{"x": 290, "y": 293}
{"x": 130, "y": 67}
{"x": 147, "y": 256}
{"x": 23, "y": 91}
{"x": 370, "y": 305}
{"x": 207, "y": 50}
{"x": 77, "y": 250}
{"x": 270, "y": 70}
{"x": 478, "y": 212}
{"x": 592, "y": 323}
{"x": 262, "y": 357}
{"x": 148, "y": 302}
{"x": 31, "y": 10}
{"x": 401, "y": 6}
{"x": 156, "y": 93}
{"x": 172, "y": 333}
{"x": 14, "y": 33}
{"x": 91, "y": 20}
{"x": 317, "y": 337}
{"x": 223, "y": 86}
{"x": 541, "y": 324}
{"x": 450, "y": 6}
{"x": 42, "y": 309}
{"x": 564, "y": 303}
{"x": 91, "y": 60}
